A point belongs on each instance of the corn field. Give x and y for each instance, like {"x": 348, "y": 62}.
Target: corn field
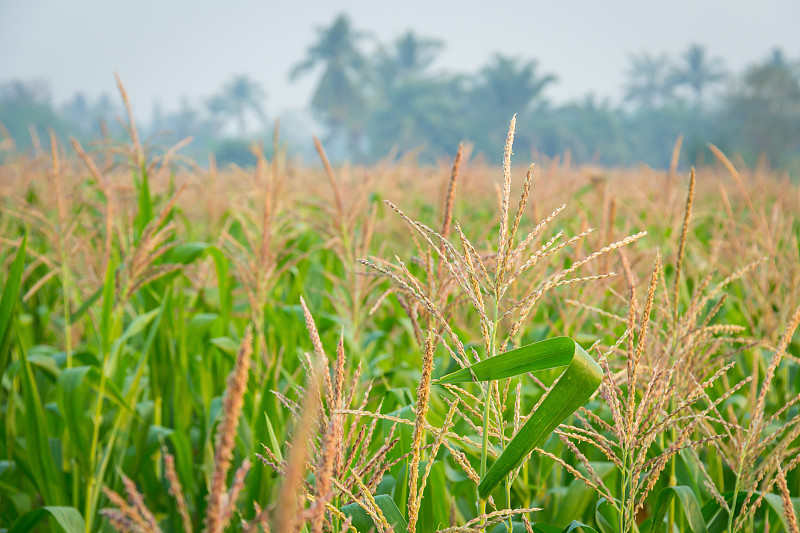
{"x": 449, "y": 348}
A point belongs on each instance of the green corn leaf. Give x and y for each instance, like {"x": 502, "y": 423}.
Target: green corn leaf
{"x": 579, "y": 526}
{"x": 578, "y": 382}
{"x": 8, "y": 301}
{"x": 109, "y": 286}
{"x": 67, "y": 517}
{"x": 607, "y": 517}
{"x": 47, "y": 477}
{"x": 362, "y": 521}
{"x": 542, "y": 527}
{"x": 275, "y": 447}
{"x": 90, "y": 301}
{"x": 519, "y": 527}
{"x": 145, "y": 201}
{"x": 72, "y": 402}
{"x": 137, "y": 325}
{"x": 221, "y": 265}
{"x": 542, "y": 355}
{"x": 182, "y": 450}
{"x": 432, "y": 514}
{"x": 579, "y": 496}
{"x": 775, "y": 503}
{"x": 688, "y": 503}
{"x": 716, "y": 517}
{"x": 226, "y": 344}
{"x": 186, "y": 252}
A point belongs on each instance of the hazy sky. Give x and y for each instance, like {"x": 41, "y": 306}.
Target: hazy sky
{"x": 168, "y": 49}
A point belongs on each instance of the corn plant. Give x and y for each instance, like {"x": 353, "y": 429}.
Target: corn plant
{"x": 493, "y": 367}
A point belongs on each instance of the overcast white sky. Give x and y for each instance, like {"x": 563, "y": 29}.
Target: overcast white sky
{"x": 168, "y": 49}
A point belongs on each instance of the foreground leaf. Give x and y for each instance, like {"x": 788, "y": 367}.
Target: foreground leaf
{"x": 67, "y": 517}
{"x": 577, "y": 384}
{"x": 716, "y": 517}
{"x": 363, "y": 522}
{"x": 519, "y": 527}
{"x": 776, "y": 504}
{"x": 542, "y": 355}
{"x": 575, "y": 526}
{"x": 607, "y": 517}
{"x": 8, "y": 301}
{"x": 47, "y": 477}
{"x": 579, "y": 496}
{"x": 688, "y": 503}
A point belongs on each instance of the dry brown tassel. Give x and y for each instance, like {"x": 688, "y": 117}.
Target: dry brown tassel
{"x": 232, "y": 404}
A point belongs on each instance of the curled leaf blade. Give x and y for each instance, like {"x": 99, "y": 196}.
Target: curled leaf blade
{"x": 577, "y": 384}
{"x": 542, "y": 355}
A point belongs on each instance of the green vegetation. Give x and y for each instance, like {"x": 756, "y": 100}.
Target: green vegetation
{"x": 229, "y": 349}
{"x": 376, "y": 98}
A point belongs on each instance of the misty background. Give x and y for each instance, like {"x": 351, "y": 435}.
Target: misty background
{"x": 611, "y": 83}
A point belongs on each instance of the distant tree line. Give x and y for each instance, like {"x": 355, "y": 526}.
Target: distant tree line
{"x": 393, "y": 101}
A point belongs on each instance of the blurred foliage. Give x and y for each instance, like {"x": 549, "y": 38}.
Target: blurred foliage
{"x": 374, "y": 99}
{"x": 117, "y": 333}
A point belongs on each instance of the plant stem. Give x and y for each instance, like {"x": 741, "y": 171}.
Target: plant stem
{"x": 487, "y": 402}
{"x": 672, "y": 481}
{"x": 95, "y": 481}
{"x": 736, "y": 490}
{"x": 65, "y": 282}
{"x": 485, "y": 444}
{"x": 508, "y": 502}
{"x": 627, "y": 502}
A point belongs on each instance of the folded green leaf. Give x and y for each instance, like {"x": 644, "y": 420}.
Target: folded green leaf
{"x": 67, "y": 517}
{"x": 72, "y": 402}
{"x": 579, "y": 496}
{"x": 688, "y": 503}
{"x": 186, "y": 252}
{"x": 542, "y": 527}
{"x": 363, "y": 522}
{"x": 775, "y": 503}
{"x": 8, "y": 301}
{"x": 543, "y": 355}
{"x": 716, "y": 517}
{"x": 606, "y": 516}
{"x": 46, "y": 475}
{"x": 577, "y": 384}
{"x": 519, "y": 527}
{"x": 575, "y": 526}
{"x": 145, "y": 214}
{"x": 88, "y": 303}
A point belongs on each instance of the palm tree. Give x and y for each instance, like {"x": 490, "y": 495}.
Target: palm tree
{"x": 409, "y": 107}
{"x": 414, "y": 55}
{"x": 78, "y": 111}
{"x": 777, "y": 57}
{"x": 338, "y": 98}
{"x": 239, "y": 97}
{"x": 765, "y": 109}
{"x": 508, "y": 85}
{"x": 648, "y": 80}
{"x": 408, "y": 58}
{"x": 37, "y": 91}
{"x": 698, "y": 71}
{"x": 187, "y": 121}
{"x": 417, "y": 112}
{"x": 504, "y": 87}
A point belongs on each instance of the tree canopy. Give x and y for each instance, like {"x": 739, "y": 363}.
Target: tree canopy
{"x": 375, "y": 98}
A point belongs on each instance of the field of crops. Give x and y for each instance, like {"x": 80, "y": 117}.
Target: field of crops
{"x": 279, "y": 348}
